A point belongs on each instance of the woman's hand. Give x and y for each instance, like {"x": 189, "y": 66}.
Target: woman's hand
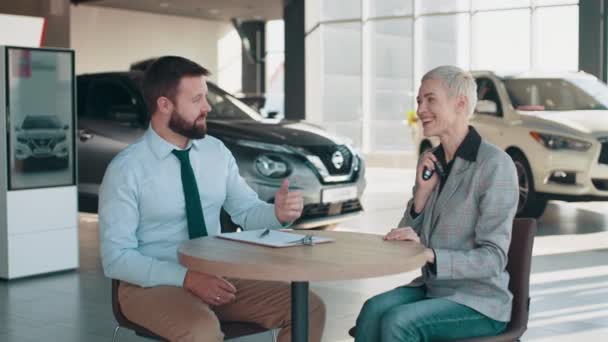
{"x": 403, "y": 233}
{"x": 424, "y": 188}
{"x": 428, "y": 160}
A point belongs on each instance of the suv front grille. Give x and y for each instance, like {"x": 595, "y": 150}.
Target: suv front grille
{"x": 326, "y": 154}
{"x": 604, "y": 154}
{"x": 312, "y": 211}
{"x": 35, "y": 143}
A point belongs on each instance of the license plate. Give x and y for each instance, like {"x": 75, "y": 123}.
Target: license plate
{"x": 339, "y": 194}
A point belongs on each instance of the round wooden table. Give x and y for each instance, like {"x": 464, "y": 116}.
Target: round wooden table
{"x": 350, "y": 256}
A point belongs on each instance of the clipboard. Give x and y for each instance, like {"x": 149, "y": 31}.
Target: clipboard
{"x": 274, "y": 238}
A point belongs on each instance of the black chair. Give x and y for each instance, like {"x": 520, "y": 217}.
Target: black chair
{"x": 230, "y": 329}
{"x": 520, "y": 259}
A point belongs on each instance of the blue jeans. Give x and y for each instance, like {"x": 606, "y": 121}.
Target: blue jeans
{"x": 407, "y": 314}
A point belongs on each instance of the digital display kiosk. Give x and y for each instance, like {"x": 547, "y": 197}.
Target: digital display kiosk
{"x": 38, "y": 194}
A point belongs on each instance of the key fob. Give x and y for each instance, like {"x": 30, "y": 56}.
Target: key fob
{"x": 426, "y": 173}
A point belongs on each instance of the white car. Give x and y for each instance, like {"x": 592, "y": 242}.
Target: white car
{"x": 553, "y": 125}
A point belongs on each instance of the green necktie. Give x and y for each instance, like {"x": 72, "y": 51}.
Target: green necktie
{"x": 194, "y": 211}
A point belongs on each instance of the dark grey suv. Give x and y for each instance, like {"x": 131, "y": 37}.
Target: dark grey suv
{"x": 112, "y": 114}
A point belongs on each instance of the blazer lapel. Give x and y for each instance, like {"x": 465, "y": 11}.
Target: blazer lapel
{"x": 454, "y": 180}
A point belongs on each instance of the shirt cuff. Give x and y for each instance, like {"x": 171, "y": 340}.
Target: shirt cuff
{"x": 172, "y": 276}
{"x": 275, "y": 223}
{"x": 443, "y": 264}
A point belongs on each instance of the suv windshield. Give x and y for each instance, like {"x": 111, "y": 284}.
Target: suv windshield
{"x": 223, "y": 105}
{"x": 41, "y": 122}
{"x": 227, "y": 107}
{"x": 557, "y": 94}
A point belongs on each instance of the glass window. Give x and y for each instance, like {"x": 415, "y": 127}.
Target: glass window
{"x": 312, "y": 14}
{"x": 275, "y": 67}
{"x": 556, "y": 46}
{"x": 230, "y": 62}
{"x": 555, "y": 2}
{"x": 314, "y": 77}
{"x": 387, "y": 8}
{"x": 498, "y": 48}
{"x": 275, "y": 83}
{"x": 342, "y": 78}
{"x": 486, "y": 90}
{"x": 275, "y": 36}
{"x": 442, "y": 6}
{"x": 442, "y": 40}
{"x": 340, "y": 9}
{"x": 110, "y": 100}
{"x": 390, "y": 84}
{"x": 41, "y": 122}
{"x": 557, "y": 94}
{"x": 499, "y": 4}
{"x": 226, "y": 107}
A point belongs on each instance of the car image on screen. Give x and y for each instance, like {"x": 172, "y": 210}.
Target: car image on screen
{"x": 41, "y": 143}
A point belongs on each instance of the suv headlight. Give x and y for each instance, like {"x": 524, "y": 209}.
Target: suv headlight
{"x": 557, "y": 142}
{"x": 271, "y": 166}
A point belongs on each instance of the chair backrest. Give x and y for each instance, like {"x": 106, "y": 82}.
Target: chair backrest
{"x": 520, "y": 260}
{"x": 519, "y": 265}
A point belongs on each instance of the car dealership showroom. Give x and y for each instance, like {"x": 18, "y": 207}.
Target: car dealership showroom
{"x": 304, "y": 170}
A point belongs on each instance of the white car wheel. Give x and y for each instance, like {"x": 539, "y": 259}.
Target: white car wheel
{"x": 531, "y": 204}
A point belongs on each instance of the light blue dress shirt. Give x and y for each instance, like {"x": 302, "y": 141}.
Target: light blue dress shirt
{"x": 142, "y": 215}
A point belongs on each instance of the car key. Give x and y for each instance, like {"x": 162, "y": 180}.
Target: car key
{"x": 427, "y": 174}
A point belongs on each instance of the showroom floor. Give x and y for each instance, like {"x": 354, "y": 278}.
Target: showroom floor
{"x": 569, "y": 283}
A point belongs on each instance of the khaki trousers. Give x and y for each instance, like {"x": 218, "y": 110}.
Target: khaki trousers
{"x": 177, "y": 315}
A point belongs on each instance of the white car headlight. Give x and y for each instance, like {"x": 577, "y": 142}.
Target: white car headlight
{"x": 557, "y": 142}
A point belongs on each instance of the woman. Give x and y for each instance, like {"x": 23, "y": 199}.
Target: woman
{"x": 463, "y": 214}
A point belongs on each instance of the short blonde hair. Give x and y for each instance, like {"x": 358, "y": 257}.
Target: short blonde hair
{"x": 457, "y": 82}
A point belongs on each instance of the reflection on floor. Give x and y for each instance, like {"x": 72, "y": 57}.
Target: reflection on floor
{"x": 569, "y": 282}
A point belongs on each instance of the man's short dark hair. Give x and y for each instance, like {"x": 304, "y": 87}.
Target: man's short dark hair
{"x": 162, "y": 78}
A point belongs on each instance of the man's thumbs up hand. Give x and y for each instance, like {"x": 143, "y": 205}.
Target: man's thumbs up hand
{"x": 288, "y": 205}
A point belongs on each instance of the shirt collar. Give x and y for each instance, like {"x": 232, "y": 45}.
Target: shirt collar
{"x": 468, "y": 148}
{"x": 161, "y": 147}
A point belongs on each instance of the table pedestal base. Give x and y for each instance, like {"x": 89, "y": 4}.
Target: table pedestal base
{"x": 299, "y": 311}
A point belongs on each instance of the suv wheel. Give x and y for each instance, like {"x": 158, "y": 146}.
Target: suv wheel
{"x": 531, "y": 204}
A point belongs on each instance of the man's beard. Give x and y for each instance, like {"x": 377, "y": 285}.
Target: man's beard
{"x": 188, "y": 129}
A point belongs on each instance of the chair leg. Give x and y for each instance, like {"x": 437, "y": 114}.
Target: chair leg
{"x": 275, "y": 334}
{"x": 115, "y": 333}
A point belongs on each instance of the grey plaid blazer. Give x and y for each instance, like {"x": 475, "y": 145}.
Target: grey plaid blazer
{"x": 469, "y": 227}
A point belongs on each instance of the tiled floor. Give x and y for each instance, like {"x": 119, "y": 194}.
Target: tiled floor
{"x": 569, "y": 282}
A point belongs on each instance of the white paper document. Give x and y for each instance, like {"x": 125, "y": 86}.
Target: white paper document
{"x": 274, "y": 238}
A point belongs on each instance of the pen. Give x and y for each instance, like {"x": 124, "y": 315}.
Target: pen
{"x": 264, "y": 233}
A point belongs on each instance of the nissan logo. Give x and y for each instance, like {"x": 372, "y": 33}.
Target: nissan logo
{"x": 337, "y": 159}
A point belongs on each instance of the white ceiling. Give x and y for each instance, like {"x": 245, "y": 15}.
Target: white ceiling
{"x": 205, "y": 9}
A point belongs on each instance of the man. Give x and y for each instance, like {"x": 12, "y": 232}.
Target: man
{"x": 170, "y": 186}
